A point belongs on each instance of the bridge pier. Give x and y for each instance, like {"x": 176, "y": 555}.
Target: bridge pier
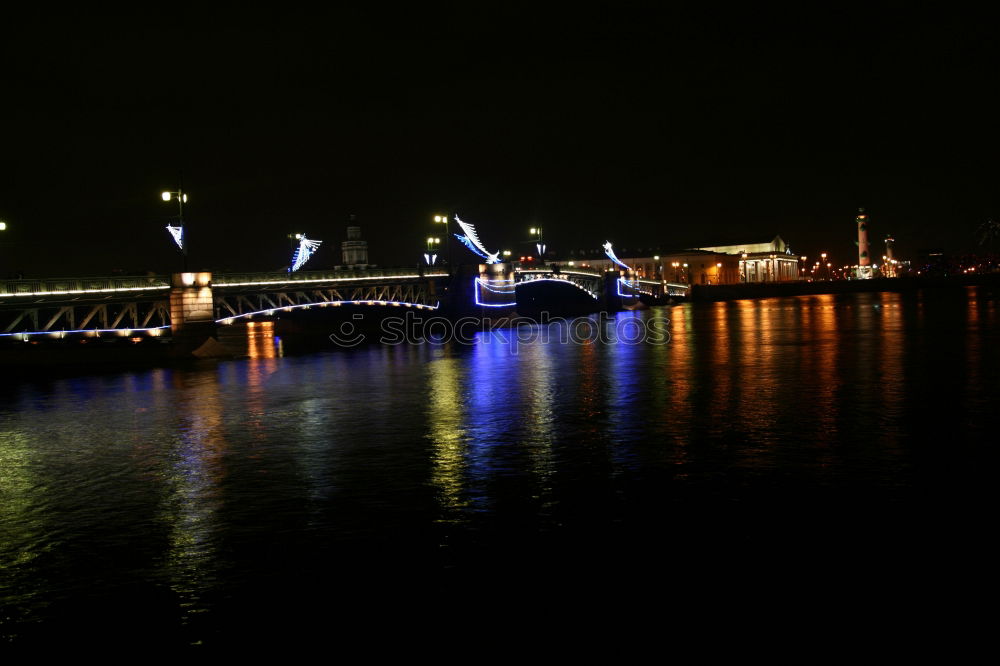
{"x": 485, "y": 290}
{"x": 612, "y": 292}
{"x": 192, "y": 310}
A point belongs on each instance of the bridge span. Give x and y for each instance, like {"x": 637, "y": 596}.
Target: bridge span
{"x": 195, "y": 303}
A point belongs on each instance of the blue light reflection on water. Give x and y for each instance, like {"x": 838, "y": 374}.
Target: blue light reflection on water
{"x": 190, "y": 491}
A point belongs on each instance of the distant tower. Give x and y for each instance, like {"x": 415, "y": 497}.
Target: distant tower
{"x": 864, "y": 259}
{"x": 354, "y": 250}
{"x": 890, "y": 267}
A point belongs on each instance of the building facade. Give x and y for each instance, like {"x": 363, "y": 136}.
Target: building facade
{"x": 354, "y": 251}
{"x": 771, "y": 261}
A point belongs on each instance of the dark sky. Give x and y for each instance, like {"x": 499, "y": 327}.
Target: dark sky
{"x": 621, "y": 121}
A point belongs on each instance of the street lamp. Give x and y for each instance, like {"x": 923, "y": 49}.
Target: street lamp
{"x": 536, "y": 233}
{"x": 178, "y": 232}
{"x": 443, "y": 219}
{"x": 430, "y": 256}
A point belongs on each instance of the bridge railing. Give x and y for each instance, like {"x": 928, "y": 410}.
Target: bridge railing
{"x": 561, "y": 271}
{"x": 67, "y": 286}
{"x": 344, "y": 275}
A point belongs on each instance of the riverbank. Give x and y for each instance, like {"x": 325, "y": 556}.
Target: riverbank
{"x": 732, "y": 292}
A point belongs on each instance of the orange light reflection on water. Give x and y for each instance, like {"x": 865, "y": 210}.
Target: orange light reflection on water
{"x": 261, "y": 340}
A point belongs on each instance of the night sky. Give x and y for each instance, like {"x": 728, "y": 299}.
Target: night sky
{"x": 622, "y": 121}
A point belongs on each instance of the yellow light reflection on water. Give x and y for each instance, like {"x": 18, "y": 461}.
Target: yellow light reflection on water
{"x": 446, "y": 414}
{"x": 537, "y": 383}
{"x": 721, "y": 346}
{"x": 19, "y": 530}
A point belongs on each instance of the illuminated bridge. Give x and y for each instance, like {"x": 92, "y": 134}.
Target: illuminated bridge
{"x": 501, "y": 286}
{"x": 163, "y": 305}
{"x": 160, "y": 305}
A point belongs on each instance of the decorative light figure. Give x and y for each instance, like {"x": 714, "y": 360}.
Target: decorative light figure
{"x": 177, "y": 232}
{"x": 178, "y": 235}
{"x": 611, "y": 255}
{"x": 471, "y": 241}
{"x": 303, "y": 252}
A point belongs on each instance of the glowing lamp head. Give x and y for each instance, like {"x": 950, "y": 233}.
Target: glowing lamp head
{"x": 166, "y": 196}
{"x": 185, "y": 198}
{"x": 533, "y": 231}
{"x": 3, "y": 226}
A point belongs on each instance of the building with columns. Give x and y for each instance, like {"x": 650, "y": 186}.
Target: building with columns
{"x": 770, "y": 261}
{"x": 680, "y": 267}
{"x": 354, "y": 251}
{"x": 762, "y": 262}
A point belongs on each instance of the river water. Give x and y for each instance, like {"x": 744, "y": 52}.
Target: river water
{"x": 228, "y": 501}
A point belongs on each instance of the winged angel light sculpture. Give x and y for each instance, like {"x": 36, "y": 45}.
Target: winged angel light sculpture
{"x": 471, "y": 240}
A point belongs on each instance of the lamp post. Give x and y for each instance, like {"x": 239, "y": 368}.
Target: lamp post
{"x": 536, "y": 235}
{"x": 433, "y": 243}
{"x": 443, "y": 219}
{"x": 178, "y": 232}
